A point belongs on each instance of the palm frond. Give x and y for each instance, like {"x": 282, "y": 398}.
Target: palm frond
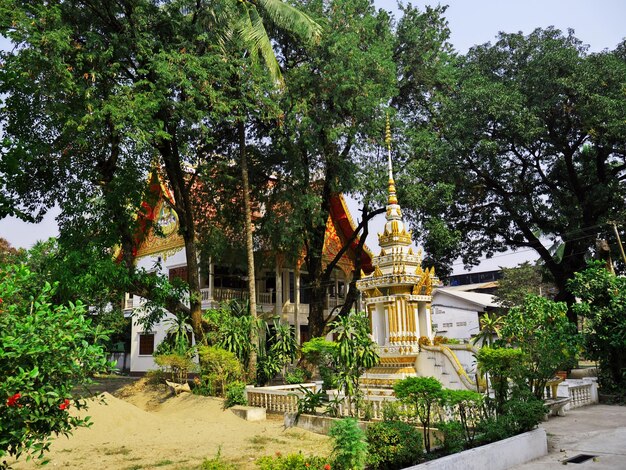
{"x": 252, "y": 31}
{"x": 291, "y": 19}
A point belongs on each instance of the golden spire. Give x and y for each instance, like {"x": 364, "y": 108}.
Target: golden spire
{"x": 392, "y": 186}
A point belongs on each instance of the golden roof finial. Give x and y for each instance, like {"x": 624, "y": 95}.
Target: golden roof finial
{"x": 392, "y": 186}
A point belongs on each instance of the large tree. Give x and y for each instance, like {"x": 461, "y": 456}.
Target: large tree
{"x": 101, "y": 93}
{"x": 333, "y": 109}
{"x": 531, "y": 142}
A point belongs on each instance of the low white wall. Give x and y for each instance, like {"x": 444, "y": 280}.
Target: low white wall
{"x": 499, "y": 455}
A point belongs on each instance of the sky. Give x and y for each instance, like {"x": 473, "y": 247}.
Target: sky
{"x": 600, "y": 24}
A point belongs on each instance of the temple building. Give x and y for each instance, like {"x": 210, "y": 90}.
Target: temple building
{"x": 281, "y": 288}
{"x": 397, "y": 297}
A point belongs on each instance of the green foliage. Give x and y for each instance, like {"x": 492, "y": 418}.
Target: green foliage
{"x": 393, "y": 445}
{"x": 177, "y": 366}
{"x": 297, "y": 376}
{"x": 218, "y": 368}
{"x": 333, "y": 115}
{"x": 490, "y": 325}
{"x": 499, "y": 114}
{"x": 355, "y": 353}
{"x": 453, "y": 436}
{"x": 47, "y": 353}
{"x": 467, "y": 406}
{"x": 421, "y": 394}
{"x": 322, "y": 353}
{"x": 501, "y": 364}
{"x": 235, "y": 394}
{"x": 235, "y": 335}
{"x": 350, "y": 445}
{"x": 519, "y": 282}
{"x": 391, "y": 411}
{"x": 547, "y": 339}
{"x": 603, "y": 303}
{"x": 294, "y": 462}
{"x": 310, "y": 401}
{"x": 519, "y": 415}
{"x": 217, "y": 463}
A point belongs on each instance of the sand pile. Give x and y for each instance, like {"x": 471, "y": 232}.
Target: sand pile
{"x": 172, "y": 432}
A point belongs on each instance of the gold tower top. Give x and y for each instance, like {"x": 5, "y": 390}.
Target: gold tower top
{"x": 395, "y": 233}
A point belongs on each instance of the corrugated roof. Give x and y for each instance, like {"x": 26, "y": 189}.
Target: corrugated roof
{"x": 484, "y": 300}
{"x": 470, "y": 287}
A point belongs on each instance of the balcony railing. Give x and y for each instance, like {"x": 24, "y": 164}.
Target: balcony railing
{"x": 224, "y": 294}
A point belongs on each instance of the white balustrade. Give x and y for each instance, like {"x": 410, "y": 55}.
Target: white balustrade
{"x": 278, "y": 399}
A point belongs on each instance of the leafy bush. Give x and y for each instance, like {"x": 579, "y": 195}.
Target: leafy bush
{"x": 453, "y": 436}
{"x": 310, "y": 401}
{"x": 235, "y": 394}
{"x": 393, "y": 445}
{"x": 391, "y": 411}
{"x": 297, "y": 376}
{"x": 217, "y": 463}
{"x": 268, "y": 365}
{"x": 468, "y": 407}
{"x": 350, "y": 449}
{"x": 501, "y": 364}
{"x": 218, "y": 368}
{"x": 519, "y": 415}
{"x": 421, "y": 394}
{"x": 293, "y": 462}
{"x": 322, "y": 353}
{"x": 176, "y": 365}
{"x": 46, "y": 352}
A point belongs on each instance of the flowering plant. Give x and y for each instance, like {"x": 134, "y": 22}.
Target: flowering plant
{"x": 46, "y": 352}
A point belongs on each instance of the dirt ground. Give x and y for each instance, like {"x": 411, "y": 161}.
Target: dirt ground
{"x": 143, "y": 427}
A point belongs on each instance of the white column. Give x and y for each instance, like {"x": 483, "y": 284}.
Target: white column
{"x": 211, "y": 279}
{"x": 279, "y": 292}
{"x": 296, "y": 307}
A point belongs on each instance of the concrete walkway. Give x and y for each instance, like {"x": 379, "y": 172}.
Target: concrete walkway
{"x": 598, "y": 430}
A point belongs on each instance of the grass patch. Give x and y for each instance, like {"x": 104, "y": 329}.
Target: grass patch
{"x": 117, "y": 451}
{"x": 163, "y": 463}
{"x": 260, "y": 440}
{"x": 134, "y": 467}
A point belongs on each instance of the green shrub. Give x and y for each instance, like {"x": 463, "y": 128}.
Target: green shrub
{"x": 176, "y": 366}
{"x": 453, "y": 436}
{"x": 393, "y": 445}
{"x": 293, "y": 462}
{"x": 48, "y": 353}
{"x": 519, "y": 415}
{"x": 235, "y": 394}
{"x": 155, "y": 377}
{"x": 217, "y": 463}
{"x": 350, "y": 445}
{"x": 310, "y": 401}
{"x": 297, "y": 376}
{"x": 218, "y": 368}
{"x": 391, "y": 411}
{"x": 422, "y": 394}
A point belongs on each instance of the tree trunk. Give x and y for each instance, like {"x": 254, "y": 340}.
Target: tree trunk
{"x": 249, "y": 248}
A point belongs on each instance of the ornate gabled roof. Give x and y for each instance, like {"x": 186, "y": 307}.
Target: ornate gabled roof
{"x": 158, "y": 209}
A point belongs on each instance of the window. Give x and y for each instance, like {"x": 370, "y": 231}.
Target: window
{"x": 146, "y": 344}
{"x": 461, "y": 323}
{"x": 447, "y": 325}
{"x": 180, "y": 273}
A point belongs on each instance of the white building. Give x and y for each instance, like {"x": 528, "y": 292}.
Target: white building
{"x": 456, "y": 313}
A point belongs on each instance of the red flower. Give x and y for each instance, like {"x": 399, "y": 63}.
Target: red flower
{"x": 12, "y": 401}
{"x": 65, "y": 405}
{"x": 327, "y": 466}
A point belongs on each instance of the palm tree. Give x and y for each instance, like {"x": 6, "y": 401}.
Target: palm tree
{"x": 490, "y": 325}
{"x": 251, "y": 30}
